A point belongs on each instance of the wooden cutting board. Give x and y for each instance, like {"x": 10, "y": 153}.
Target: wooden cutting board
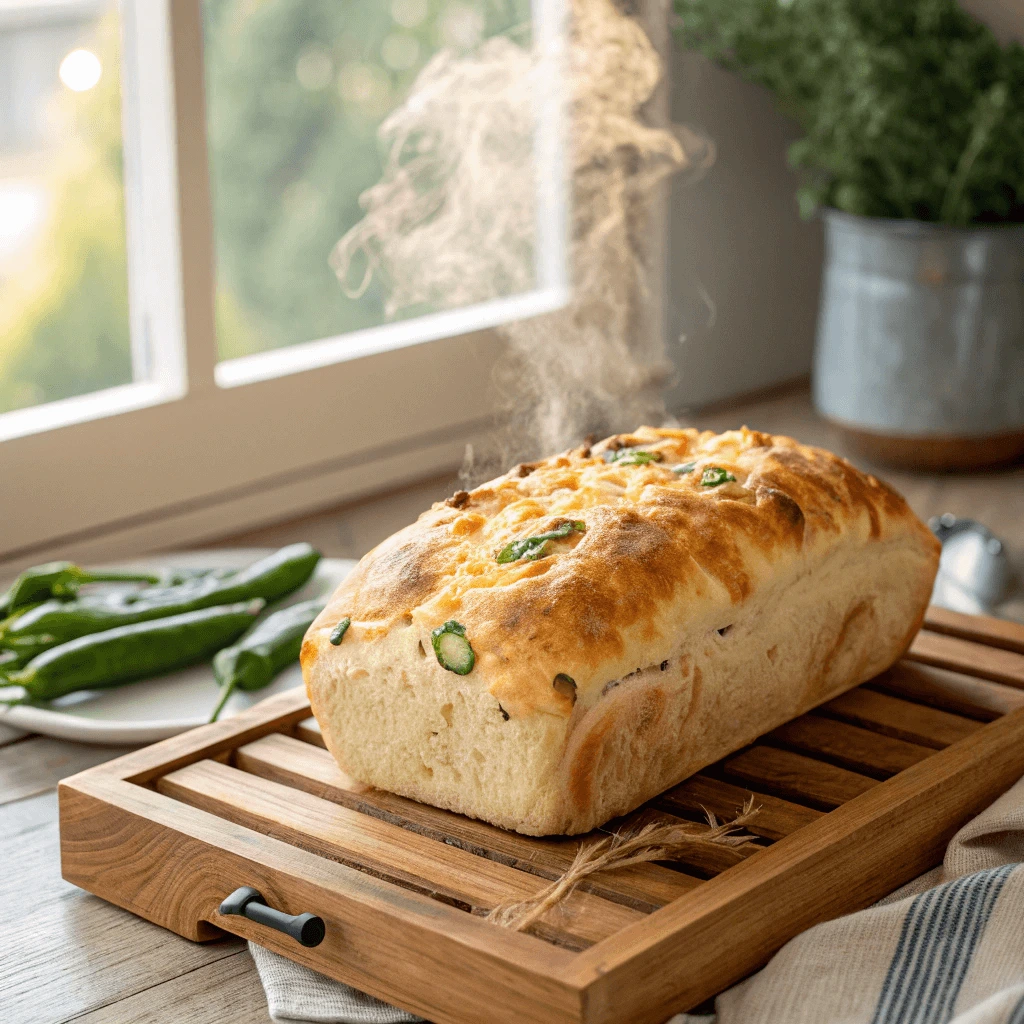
{"x": 856, "y": 798}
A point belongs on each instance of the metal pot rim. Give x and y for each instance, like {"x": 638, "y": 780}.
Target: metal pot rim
{"x": 912, "y": 227}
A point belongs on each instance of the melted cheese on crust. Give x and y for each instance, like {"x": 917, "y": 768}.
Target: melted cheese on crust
{"x": 657, "y": 544}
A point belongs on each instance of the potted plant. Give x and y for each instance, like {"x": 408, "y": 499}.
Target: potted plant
{"x": 912, "y": 117}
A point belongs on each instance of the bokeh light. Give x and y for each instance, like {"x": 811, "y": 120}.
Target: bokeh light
{"x": 314, "y": 69}
{"x": 461, "y": 27}
{"x": 365, "y": 86}
{"x": 409, "y": 13}
{"x": 400, "y": 51}
{"x": 80, "y": 70}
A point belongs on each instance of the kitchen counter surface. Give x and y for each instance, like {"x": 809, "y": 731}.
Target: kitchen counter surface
{"x": 67, "y": 956}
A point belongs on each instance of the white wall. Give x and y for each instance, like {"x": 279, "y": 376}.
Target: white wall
{"x": 1004, "y": 17}
{"x": 738, "y": 236}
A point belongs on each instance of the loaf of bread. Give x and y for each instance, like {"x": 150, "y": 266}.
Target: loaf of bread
{"x": 695, "y": 591}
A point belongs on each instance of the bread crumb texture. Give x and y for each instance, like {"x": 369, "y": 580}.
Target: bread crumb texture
{"x": 703, "y": 589}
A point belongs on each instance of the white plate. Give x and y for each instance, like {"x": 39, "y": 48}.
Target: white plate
{"x": 153, "y": 709}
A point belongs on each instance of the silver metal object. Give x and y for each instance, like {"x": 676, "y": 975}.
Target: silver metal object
{"x": 921, "y": 328}
{"x": 974, "y": 571}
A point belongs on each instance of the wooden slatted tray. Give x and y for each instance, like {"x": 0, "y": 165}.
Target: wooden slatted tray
{"x": 856, "y": 798}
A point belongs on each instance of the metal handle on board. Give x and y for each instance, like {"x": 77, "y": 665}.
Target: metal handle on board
{"x": 247, "y": 902}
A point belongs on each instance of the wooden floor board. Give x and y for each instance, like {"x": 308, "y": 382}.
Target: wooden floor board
{"x": 9, "y": 734}
{"x": 36, "y": 764}
{"x": 64, "y": 952}
{"x": 227, "y": 991}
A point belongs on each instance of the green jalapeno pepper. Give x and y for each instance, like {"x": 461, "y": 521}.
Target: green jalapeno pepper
{"x": 62, "y": 579}
{"x": 142, "y": 649}
{"x": 269, "y": 647}
{"x": 452, "y": 648}
{"x": 532, "y": 548}
{"x": 57, "y": 622}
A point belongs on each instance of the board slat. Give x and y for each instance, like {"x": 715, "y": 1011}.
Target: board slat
{"x": 796, "y": 777}
{"x": 848, "y": 746}
{"x": 310, "y": 768}
{"x": 308, "y": 730}
{"x": 963, "y": 695}
{"x": 891, "y": 716}
{"x": 980, "y": 628}
{"x": 708, "y": 859}
{"x": 996, "y": 664}
{"x": 385, "y": 850}
{"x": 776, "y": 818}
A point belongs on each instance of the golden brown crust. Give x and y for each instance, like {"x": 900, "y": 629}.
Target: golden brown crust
{"x": 651, "y": 535}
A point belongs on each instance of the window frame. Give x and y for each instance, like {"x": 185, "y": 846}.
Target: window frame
{"x": 200, "y": 450}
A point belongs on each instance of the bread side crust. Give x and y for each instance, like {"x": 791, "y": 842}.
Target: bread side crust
{"x": 791, "y": 648}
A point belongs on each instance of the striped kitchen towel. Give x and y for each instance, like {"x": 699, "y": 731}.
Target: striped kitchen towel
{"x": 948, "y": 947}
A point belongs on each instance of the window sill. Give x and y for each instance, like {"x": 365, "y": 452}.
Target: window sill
{"x": 313, "y": 355}
{"x": 83, "y": 408}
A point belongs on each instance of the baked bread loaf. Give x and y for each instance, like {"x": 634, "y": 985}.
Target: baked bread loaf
{"x": 694, "y": 591}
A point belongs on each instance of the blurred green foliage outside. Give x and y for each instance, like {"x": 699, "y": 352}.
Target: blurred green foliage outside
{"x": 64, "y": 308}
{"x": 295, "y": 92}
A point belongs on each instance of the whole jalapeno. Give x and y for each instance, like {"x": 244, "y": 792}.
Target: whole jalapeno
{"x": 62, "y": 579}
{"x": 271, "y": 578}
{"x": 270, "y": 646}
{"x": 57, "y": 622}
{"x": 120, "y": 655}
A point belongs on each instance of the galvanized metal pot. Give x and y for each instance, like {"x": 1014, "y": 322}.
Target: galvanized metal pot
{"x": 920, "y": 345}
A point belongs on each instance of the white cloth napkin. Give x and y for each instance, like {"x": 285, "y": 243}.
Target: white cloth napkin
{"x": 946, "y": 949}
{"x": 295, "y": 993}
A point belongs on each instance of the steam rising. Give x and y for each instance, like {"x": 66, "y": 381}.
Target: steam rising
{"x": 453, "y": 222}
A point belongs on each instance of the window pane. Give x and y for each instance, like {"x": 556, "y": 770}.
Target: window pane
{"x": 296, "y": 91}
{"x": 63, "y": 264}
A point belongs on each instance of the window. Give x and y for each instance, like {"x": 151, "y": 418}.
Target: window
{"x": 207, "y": 371}
{"x": 296, "y": 95}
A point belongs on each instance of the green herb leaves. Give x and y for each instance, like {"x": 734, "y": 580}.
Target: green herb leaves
{"x": 909, "y": 109}
{"x": 631, "y": 457}
{"x": 715, "y": 476}
{"x": 532, "y": 548}
{"x": 452, "y": 648}
{"x": 684, "y": 467}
